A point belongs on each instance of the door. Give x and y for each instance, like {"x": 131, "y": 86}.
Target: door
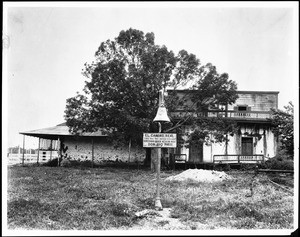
{"x": 247, "y": 146}
{"x": 196, "y": 153}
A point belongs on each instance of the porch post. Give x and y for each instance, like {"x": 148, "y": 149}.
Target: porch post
{"x": 51, "y": 151}
{"x": 92, "y": 152}
{"x": 129, "y": 150}
{"x": 226, "y": 144}
{"x": 38, "y": 154}
{"x": 59, "y": 152}
{"x": 23, "y": 150}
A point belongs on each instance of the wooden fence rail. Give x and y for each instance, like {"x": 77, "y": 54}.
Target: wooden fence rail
{"x": 238, "y": 158}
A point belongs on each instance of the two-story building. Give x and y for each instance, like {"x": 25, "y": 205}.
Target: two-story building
{"x": 254, "y": 140}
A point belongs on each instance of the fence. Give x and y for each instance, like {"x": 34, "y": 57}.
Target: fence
{"x": 13, "y": 159}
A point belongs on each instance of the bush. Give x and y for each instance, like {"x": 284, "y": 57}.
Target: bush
{"x": 245, "y": 166}
{"x": 76, "y": 163}
{"x": 65, "y": 163}
{"x": 69, "y": 163}
{"x": 53, "y": 163}
{"x": 278, "y": 163}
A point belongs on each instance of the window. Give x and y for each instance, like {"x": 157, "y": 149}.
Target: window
{"x": 242, "y": 108}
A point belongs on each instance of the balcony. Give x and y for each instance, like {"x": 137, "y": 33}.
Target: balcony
{"x": 237, "y": 159}
{"x": 233, "y": 114}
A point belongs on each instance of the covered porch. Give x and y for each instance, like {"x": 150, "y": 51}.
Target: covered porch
{"x": 50, "y": 143}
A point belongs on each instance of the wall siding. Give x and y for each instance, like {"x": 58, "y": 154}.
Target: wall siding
{"x": 257, "y": 102}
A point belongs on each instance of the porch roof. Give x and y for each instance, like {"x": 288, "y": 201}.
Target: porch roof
{"x": 59, "y": 130}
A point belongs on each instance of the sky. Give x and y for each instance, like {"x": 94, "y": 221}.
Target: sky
{"x": 47, "y": 44}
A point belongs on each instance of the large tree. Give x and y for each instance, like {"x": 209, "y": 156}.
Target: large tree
{"x": 283, "y": 127}
{"x": 121, "y": 91}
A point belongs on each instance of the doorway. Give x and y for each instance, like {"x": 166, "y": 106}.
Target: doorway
{"x": 196, "y": 153}
{"x": 247, "y": 146}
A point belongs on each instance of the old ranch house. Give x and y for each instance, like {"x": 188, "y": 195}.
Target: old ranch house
{"x": 254, "y": 141}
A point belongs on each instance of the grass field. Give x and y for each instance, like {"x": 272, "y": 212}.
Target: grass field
{"x": 58, "y": 198}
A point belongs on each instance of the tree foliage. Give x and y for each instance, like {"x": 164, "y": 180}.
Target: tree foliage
{"x": 283, "y": 127}
{"x": 121, "y": 91}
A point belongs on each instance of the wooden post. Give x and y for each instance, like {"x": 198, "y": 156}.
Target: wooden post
{"x": 59, "y": 152}
{"x": 38, "y": 154}
{"x": 129, "y": 150}
{"x": 51, "y": 151}
{"x": 23, "y": 150}
{"x": 158, "y": 205}
{"x": 226, "y": 145}
{"x": 92, "y": 152}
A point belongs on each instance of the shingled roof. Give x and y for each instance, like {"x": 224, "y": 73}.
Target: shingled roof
{"x": 59, "y": 130}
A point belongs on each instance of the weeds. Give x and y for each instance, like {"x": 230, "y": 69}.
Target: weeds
{"x": 105, "y": 198}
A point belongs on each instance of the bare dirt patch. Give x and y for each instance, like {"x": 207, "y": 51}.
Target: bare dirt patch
{"x": 200, "y": 175}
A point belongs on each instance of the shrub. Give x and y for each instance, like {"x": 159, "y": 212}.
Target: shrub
{"x": 65, "y": 163}
{"x": 227, "y": 167}
{"x": 279, "y": 163}
{"x": 86, "y": 163}
{"x": 76, "y": 163}
{"x": 53, "y": 163}
{"x": 248, "y": 166}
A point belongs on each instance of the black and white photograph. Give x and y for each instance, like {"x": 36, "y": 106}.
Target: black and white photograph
{"x": 150, "y": 118}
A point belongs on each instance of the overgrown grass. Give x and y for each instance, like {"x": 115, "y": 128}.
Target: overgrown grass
{"x": 53, "y": 198}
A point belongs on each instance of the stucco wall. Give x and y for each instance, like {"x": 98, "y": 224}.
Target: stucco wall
{"x": 81, "y": 149}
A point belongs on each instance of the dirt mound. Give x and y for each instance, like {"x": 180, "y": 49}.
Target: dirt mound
{"x": 200, "y": 175}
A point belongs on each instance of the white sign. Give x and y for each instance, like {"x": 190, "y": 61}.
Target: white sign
{"x": 159, "y": 140}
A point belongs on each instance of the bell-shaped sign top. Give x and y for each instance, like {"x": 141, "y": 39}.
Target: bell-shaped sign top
{"x": 161, "y": 115}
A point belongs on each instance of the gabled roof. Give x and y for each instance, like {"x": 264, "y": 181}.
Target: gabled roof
{"x": 59, "y": 130}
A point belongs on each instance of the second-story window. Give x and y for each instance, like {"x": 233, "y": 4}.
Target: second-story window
{"x": 242, "y": 108}
{"x": 242, "y": 111}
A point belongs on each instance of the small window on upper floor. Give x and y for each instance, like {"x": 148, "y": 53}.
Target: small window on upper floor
{"x": 242, "y": 108}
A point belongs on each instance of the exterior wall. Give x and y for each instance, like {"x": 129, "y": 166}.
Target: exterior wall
{"x": 264, "y": 143}
{"x": 257, "y": 101}
{"x": 81, "y": 149}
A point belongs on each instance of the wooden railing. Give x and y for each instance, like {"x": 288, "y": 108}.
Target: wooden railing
{"x": 249, "y": 114}
{"x": 180, "y": 158}
{"x": 238, "y": 158}
{"x": 252, "y": 115}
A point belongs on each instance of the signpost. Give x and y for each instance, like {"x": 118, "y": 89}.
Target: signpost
{"x": 159, "y": 140}
{"x": 163, "y": 140}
